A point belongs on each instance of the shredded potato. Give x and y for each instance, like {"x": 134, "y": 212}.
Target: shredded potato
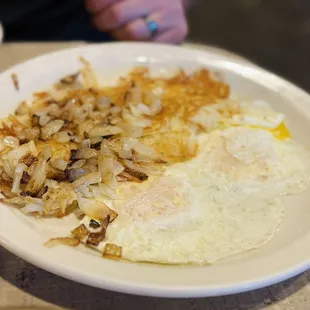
{"x": 79, "y": 140}
{"x": 62, "y": 241}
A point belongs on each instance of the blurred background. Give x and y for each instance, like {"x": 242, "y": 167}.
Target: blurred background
{"x": 273, "y": 33}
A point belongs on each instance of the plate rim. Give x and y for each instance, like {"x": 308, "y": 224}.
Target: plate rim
{"x": 155, "y": 291}
{"x": 151, "y": 290}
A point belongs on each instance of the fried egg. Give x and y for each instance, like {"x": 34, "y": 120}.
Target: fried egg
{"x": 255, "y": 114}
{"x": 255, "y": 157}
{"x": 171, "y": 221}
{"x": 225, "y": 201}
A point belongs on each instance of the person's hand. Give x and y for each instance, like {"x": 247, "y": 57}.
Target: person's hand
{"x": 126, "y": 19}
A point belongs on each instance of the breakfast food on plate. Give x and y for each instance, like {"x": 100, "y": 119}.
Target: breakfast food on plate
{"x": 166, "y": 170}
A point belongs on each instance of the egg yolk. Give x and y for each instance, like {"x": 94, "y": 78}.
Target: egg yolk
{"x": 281, "y": 132}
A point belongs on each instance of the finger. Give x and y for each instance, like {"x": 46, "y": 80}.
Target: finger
{"x": 121, "y": 13}
{"x": 170, "y": 36}
{"x": 94, "y": 6}
{"x": 133, "y": 31}
{"x": 137, "y": 30}
{"x": 170, "y": 30}
{"x": 175, "y": 35}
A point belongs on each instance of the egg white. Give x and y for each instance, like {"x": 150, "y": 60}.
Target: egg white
{"x": 230, "y": 112}
{"x": 222, "y": 220}
{"x": 256, "y": 158}
{"x": 257, "y": 113}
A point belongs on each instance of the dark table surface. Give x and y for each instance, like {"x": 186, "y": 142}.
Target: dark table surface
{"x": 273, "y": 33}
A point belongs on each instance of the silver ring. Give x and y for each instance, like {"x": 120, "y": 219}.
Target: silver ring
{"x": 152, "y": 26}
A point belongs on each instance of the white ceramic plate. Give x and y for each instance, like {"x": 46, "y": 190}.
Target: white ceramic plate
{"x": 287, "y": 255}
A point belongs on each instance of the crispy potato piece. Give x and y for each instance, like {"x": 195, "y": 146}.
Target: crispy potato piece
{"x": 112, "y": 251}
{"x": 80, "y": 232}
{"x": 62, "y": 241}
